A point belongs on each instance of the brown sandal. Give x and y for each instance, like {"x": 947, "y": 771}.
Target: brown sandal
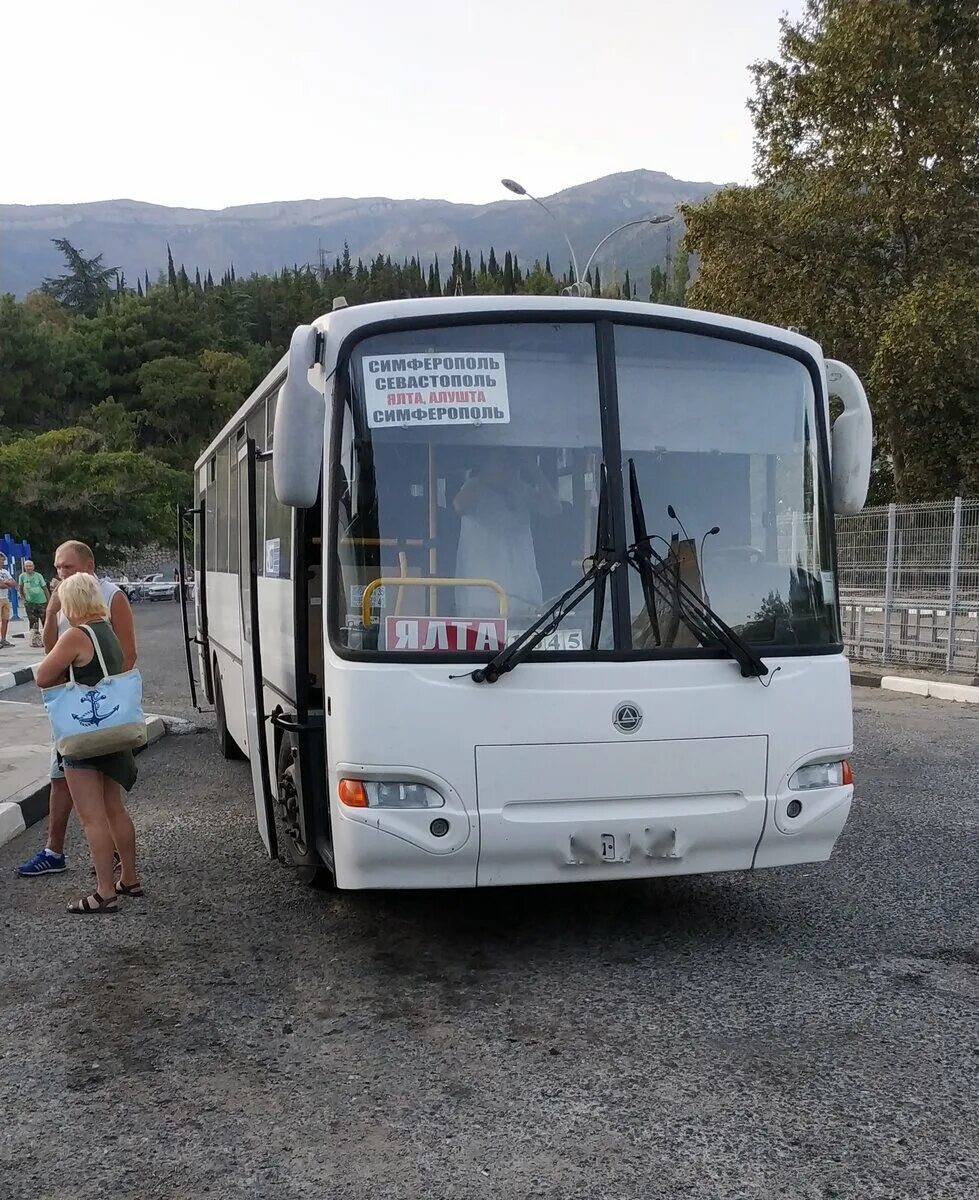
{"x": 94, "y": 904}
{"x": 128, "y": 889}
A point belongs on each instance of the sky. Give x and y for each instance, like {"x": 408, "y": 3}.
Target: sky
{"x": 212, "y": 103}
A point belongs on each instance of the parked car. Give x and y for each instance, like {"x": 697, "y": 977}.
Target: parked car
{"x": 132, "y": 590}
{"x": 162, "y": 587}
{"x": 158, "y": 587}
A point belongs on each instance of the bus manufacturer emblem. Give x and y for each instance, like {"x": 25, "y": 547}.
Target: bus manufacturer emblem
{"x": 627, "y": 718}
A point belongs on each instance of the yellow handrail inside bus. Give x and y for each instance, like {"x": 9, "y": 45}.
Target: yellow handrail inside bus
{"x": 432, "y": 582}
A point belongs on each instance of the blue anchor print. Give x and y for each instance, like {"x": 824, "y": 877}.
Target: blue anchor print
{"x": 94, "y": 699}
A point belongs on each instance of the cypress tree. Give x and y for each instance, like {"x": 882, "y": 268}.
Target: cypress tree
{"x": 627, "y": 291}
{"x": 467, "y": 270}
{"x": 508, "y": 273}
{"x": 139, "y": 288}
{"x": 171, "y": 273}
{"x": 197, "y": 280}
{"x": 598, "y": 281}
{"x": 146, "y": 280}
{"x": 209, "y": 283}
{"x": 547, "y": 264}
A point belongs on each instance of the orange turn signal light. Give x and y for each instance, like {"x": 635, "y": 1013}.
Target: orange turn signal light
{"x": 352, "y": 793}
{"x": 847, "y": 774}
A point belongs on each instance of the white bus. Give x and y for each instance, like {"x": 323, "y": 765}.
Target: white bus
{"x": 511, "y": 590}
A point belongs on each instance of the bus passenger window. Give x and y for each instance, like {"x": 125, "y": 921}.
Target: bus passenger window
{"x": 221, "y": 508}
{"x": 277, "y": 552}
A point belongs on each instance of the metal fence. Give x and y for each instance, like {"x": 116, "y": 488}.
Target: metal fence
{"x": 909, "y": 584}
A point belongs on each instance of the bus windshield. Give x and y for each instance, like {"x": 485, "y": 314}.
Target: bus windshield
{"x": 467, "y": 475}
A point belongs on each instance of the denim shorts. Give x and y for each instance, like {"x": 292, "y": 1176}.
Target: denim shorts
{"x": 81, "y": 764}
{"x": 57, "y": 771}
{"x": 59, "y": 762}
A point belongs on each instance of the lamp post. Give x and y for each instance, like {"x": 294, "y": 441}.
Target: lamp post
{"x": 519, "y": 190}
{"x": 661, "y": 220}
{"x": 579, "y": 288}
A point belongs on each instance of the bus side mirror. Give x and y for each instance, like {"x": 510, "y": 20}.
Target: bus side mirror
{"x": 853, "y": 439}
{"x": 297, "y": 438}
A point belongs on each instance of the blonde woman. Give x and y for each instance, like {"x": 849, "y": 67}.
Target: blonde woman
{"x": 99, "y": 804}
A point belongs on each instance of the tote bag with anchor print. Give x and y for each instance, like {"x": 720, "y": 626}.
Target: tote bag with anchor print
{"x": 88, "y": 720}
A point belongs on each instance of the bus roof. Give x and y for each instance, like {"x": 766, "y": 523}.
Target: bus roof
{"x": 344, "y": 321}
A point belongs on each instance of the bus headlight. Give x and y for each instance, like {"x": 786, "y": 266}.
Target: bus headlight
{"x": 821, "y": 775}
{"x": 364, "y": 793}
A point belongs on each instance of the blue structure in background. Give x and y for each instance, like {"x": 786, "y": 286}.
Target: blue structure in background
{"x": 16, "y": 552}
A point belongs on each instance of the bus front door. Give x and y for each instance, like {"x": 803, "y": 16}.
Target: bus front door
{"x": 251, "y": 647}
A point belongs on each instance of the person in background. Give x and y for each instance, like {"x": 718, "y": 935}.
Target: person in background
{"x": 7, "y": 585}
{"x": 94, "y": 783}
{"x": 496, "y": 505}
{"x": 34, "y": 592}
{"x": 70, "y": 559}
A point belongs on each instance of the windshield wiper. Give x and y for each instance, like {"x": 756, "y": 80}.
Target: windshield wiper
{"x": 702, "y": 620}
{"x": 603, "y": 563}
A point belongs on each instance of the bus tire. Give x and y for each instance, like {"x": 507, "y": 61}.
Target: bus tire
{"x": 301, "y": 857}
{"x": 226, "y": 743}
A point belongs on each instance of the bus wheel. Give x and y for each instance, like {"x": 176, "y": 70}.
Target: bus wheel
{"x": 226, "y": 743}
{"x": 291, "y": 818}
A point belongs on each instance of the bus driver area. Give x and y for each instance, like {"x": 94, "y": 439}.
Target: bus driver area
{"x": 631, "y": 540}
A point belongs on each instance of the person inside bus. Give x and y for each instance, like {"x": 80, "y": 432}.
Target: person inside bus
{"x": 496, "y": 506}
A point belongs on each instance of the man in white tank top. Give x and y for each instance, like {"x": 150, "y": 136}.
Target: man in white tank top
{"x": 69, "y": 559}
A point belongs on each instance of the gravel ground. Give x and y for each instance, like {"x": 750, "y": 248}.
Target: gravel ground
{"x": 807, "y": 1032}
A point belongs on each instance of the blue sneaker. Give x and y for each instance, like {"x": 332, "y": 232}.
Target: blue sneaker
{"x": 43, "y": 863}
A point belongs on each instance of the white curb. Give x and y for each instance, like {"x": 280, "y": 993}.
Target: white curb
{"x": 962, "y": 692}
{"x": 11, "y": 822}
{"x": 31, "y": 803}
{"x": 12, "y": 679}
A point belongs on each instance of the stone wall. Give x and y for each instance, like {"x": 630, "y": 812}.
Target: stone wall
{"x": 147, "y": 561}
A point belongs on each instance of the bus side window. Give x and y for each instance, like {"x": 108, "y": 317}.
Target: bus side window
{"x": 210, "y": 517}
{"x": 234, "y": 538}
{"x": 255, "y": 426}
{"x": 278, "y": 518}
{"x": 221, "y": 507}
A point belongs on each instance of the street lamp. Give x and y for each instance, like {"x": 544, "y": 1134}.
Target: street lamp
{"x": 519, "y": 190}
{"x": 579, "y": 288}
{"x": 661, "y": 220}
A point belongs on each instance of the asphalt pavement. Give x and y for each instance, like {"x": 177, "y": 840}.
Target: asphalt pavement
{"x": 806, "y": 1032}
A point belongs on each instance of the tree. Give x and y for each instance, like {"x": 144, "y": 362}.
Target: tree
{"x": 50, "y": 481}
{"x": 925, "y": 381}
{"x": 867, "y": 159}
{"x": 33, "y": 379}
{"x": 176, "y": 409}
{"x": 508, "y": 274}
{"x": 114, "y": 427}
{"x": 681, "y": 276}
{"x": 85, "y": 286}
{"x": 171, "y": 272}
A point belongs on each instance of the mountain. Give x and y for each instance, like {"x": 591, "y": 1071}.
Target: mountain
{"x": 265, "y": 237}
